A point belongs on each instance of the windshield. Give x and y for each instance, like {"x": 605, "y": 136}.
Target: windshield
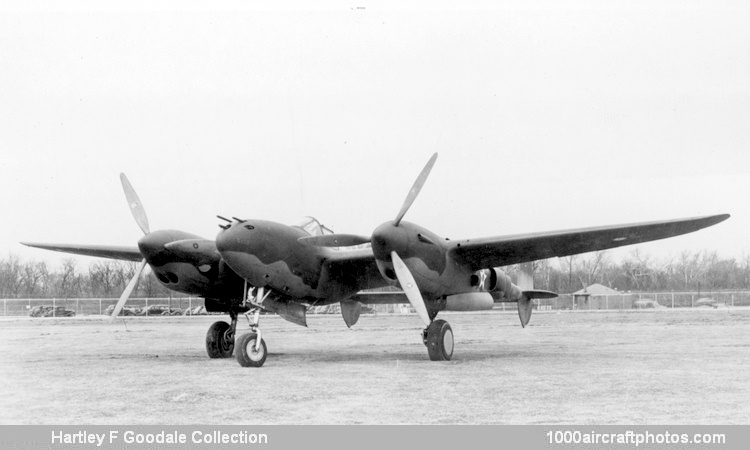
{"x": 313, "y": 227}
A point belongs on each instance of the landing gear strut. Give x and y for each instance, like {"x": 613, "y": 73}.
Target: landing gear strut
{"x": 251, "y": 348}
{"x": 220, "y": 338}
{"x": 438, "y": 337}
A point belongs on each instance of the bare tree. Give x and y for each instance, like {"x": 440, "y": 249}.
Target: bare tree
{"x": 103, "y": 277}
{"x": 570, "y": 265}
{"x": 69, "y": 282}
{"x": 124, "y": 271}
{"x": 688, "y": 266}
{"x": 10, "y": 277}
{"x": 34, "y": 275}
{"x": 638, "y": 271}
{"x": 591, "y": 266}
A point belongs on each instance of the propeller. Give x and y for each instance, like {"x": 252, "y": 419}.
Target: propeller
{"x": 139, "y": 214}
{"x": 410, "y": 288}
{"x": 128, "y": 290}
{"x": 136, "y": 208}
{"x": 414, "y": 192}
{"x": 347, "y": 240}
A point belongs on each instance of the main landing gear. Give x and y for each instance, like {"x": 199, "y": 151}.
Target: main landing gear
{"x": 438, "y": 337}
{"x": 220, "y": 338}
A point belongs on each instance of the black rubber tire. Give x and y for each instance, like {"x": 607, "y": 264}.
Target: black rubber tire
{"x": 439, "y": 341}
{"x": 246, "y": 354}
{"x": 217, "y": 344}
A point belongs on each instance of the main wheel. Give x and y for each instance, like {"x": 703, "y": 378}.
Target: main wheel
{"x": 439, "y": 341}
{"x": 219, "y": 341}
{"x": 247, "y": 355}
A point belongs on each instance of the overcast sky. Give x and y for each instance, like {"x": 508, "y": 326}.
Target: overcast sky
{"x": 545, "y": 115}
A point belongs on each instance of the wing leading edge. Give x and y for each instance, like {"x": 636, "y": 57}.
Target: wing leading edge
{"x": 505, "y": 250}
{"x": 100, "y": 251}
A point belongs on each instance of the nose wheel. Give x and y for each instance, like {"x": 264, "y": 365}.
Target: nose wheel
{"x": 438, "y": 337}
{"x": 251, "y": 350}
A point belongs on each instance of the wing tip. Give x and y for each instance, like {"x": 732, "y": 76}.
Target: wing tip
{"x": 715, "y": 219}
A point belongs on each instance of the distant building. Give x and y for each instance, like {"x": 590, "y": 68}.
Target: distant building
{"x": 597, "y": 289}
{"x": 582, "y": 299}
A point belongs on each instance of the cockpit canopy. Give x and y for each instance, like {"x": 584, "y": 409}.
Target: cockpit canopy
{"x": 312, "y": 227}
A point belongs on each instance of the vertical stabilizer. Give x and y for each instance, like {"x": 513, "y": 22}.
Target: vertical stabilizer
{"x": 526, "y": 284}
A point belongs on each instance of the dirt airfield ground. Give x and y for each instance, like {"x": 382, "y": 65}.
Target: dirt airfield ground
{"x": 628, "y": 367}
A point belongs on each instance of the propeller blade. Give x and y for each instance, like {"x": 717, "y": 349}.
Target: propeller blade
{"x": 128, "y": 290}
{"x": 410, "y": 288}
{"x": 139, "y": 214}
{"x": 335, "y": 240}
{"x": 415, "y": 189}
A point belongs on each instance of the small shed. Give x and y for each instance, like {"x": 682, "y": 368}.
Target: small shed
{"x": 581, "y": 298}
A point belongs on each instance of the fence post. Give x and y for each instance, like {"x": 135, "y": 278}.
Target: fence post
{"x": 100, "y": 306}
{"x": 692, "y": 298}
{"x": 672, "y": 300}
{"x": 53, "y": 308}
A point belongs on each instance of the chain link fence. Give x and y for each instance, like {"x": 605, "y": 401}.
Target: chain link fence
{"x": 644, "y": 300}
{"x": 49, "y": 307}
{"x": 193, "y": 305}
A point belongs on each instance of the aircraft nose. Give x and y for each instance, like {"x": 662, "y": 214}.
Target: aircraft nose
{"x": 233, "y": 238}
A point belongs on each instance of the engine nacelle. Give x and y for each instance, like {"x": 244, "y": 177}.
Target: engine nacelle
{"x": 470, "y": 301}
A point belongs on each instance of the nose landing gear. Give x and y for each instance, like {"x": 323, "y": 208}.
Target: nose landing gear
{"x": 251, "y": 348}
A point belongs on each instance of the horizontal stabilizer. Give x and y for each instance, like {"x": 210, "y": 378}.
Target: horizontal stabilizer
{"x": 335, "y": 240}
{"x": 538, "y": 293}
{"x": 380, "y": 297}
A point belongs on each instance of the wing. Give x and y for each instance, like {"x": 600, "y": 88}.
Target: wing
{"x": 100, "y": 251}
{"x": 349, "y": 271}
{"x": 505, "y": 250}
